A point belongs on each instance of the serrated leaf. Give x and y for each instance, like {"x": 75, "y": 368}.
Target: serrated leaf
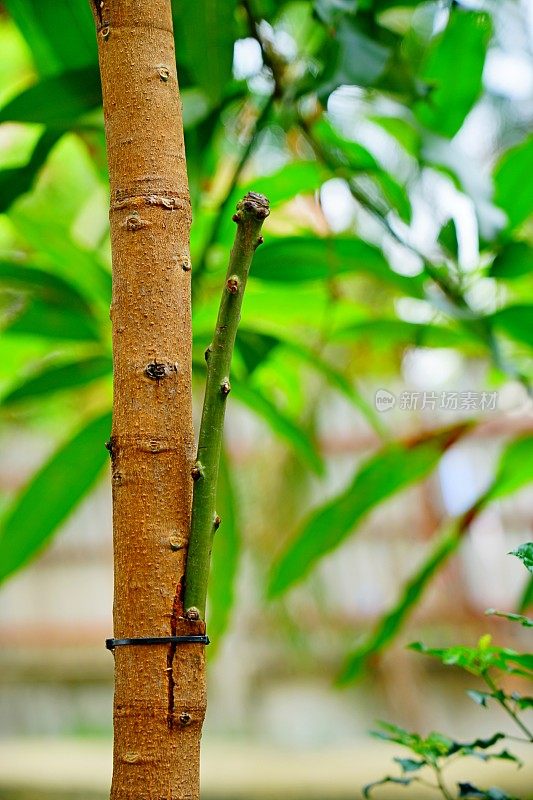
{"x": 478, "y": 660}
{"x": 525, "y": 551}
{"x": 390, "y": 623}
{"x": 470, "y": 792}
{"x": 280, "y": 423}
{"x": 59, "y": 377}
{"x": 383, "y": 475}
{"x": 52, "y": 494}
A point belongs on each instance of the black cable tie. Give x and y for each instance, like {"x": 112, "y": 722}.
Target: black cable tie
{"x": 144, "y": 640}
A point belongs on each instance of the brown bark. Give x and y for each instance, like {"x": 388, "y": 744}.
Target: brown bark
{"x": 159, "y": 689}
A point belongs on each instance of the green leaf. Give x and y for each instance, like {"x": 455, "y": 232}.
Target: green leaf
{"x": 254, "y": 347}
{"x": 18, "y": 180}
{"x": 512, "y": 193}
{"x": 282, "y": 425}
{"x": 513, "y": 261}
{"x": 389, "y": 779}
{"x": 470, "y": 792}
{"x": 224, "y": 559}
{"x": 59, "y": 377}
{"x": 409, "y": 764}
{"x": 51, "y": 321}
{"x": 478, "y": 660}
{"x": 526, "y": 599}
{"x": 352, "y": 58}
{"x": 52, "y": 494}
{"x": 516, "y": 321}
{"x": 383, "y": 475}
{"x": 514, "y": 470}
{"x": 205, "y": 32}
{"x": 306, "y": 258}
{"x": 525, "y": 551}
{"x": 344, "y": 151}
{"x": 50, "y": 288}
{"x": 390, "y": 624}
{"x": 479, "y": 697}
{"x": 526, "y": 622}
{"x": 521, "y": 701}
{"x": 402, "y": 131}
{"x": 60, "y": 35}
{"x": 74, "y": 93}
{"x": 452, "y": 92}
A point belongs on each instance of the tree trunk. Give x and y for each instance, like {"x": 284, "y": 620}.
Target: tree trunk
{"x": 160, "y": 701}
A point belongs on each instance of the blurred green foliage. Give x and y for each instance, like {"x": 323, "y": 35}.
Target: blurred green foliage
{"x": 294, "y": 99}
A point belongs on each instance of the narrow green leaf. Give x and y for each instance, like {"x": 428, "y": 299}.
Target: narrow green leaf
{"x": 389, "y": 625}
{"x": 205, "y": 32}
{"x": 306, "y": 258}
{"x": 511, "y": 190}
{"x": 51, "y": 321}
{"x": 450, "y": 99}
{"x": 513, "y": 261}
{"x": 254, "y": 348}
{"x": 15, "y": 181}
{"x": 479, "y": 697}
{"x": 515, "y": 469}
{"x": 282, "y": 425}
{"x": 75, "y": 93}
{"x": 526, "y": 622}
{"x": 59, "y": 377}
{"x": 383, "y": 475}
{"x": 526, "y": 601}
{"x": 47, "y": 286}
{"x": 60, "y": 35}
{"x": 224, "y": 559}
{"x": 52, "y": 494}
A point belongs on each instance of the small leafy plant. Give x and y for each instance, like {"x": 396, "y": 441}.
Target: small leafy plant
{"x": 433, "y": 754}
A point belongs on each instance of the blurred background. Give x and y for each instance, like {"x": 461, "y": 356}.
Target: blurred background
{"x": 379, "y": 447}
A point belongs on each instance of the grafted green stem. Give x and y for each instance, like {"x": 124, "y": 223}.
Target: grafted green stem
{"x": 251, "y": 213}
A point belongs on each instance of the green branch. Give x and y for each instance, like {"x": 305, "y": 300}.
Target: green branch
{"x": 251, "y": 213}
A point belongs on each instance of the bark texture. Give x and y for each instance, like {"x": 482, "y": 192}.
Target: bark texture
{"x": 160, "y": 700}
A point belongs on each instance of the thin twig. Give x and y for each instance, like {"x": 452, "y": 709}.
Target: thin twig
{"x": 251, "y": 213}
{"x": 497, "y": 694}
